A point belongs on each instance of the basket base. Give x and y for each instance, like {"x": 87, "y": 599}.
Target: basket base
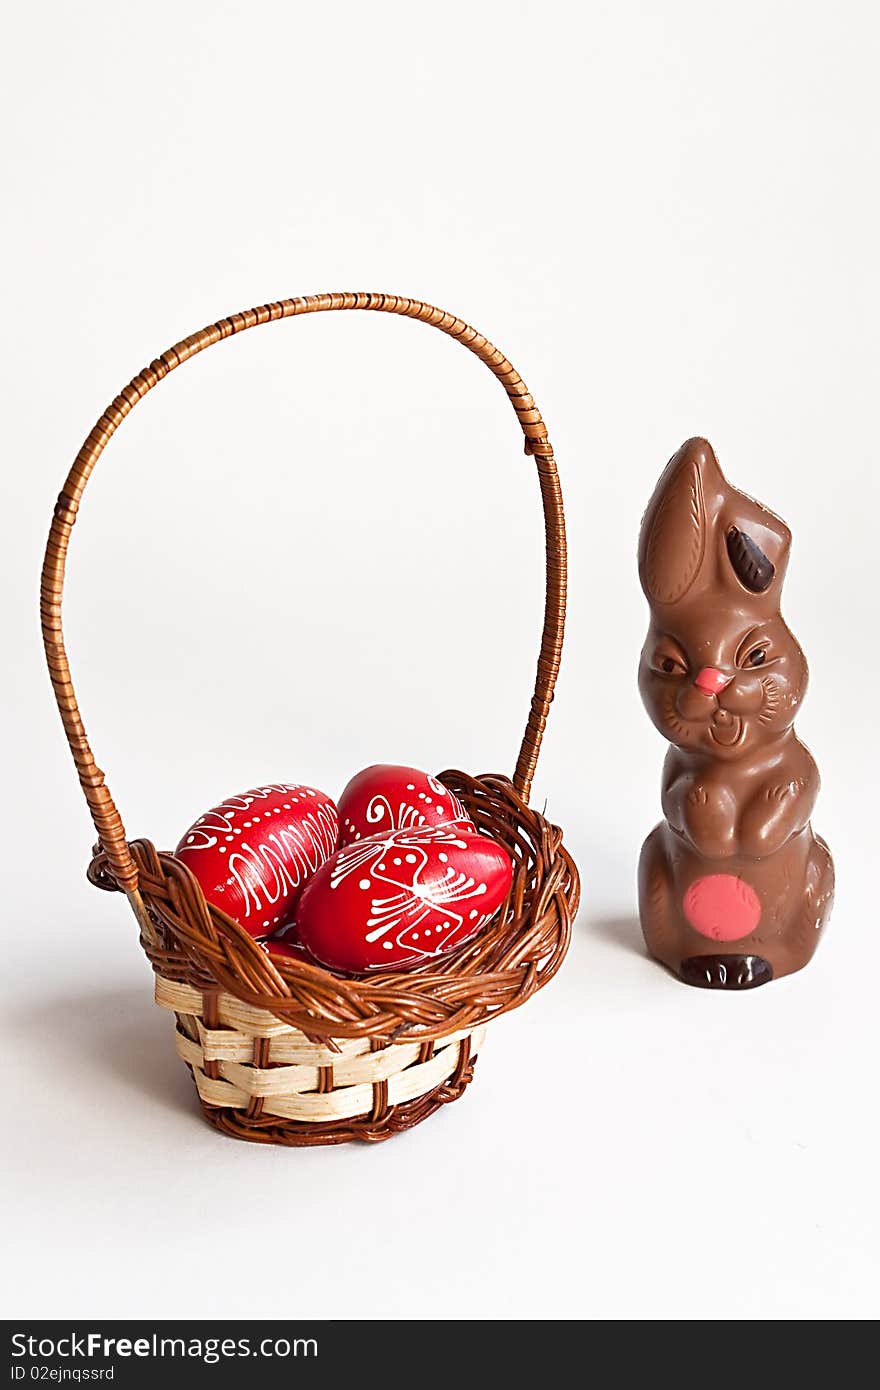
{"x": 269, "y": 1129}
{"x": 260, "y": 1079}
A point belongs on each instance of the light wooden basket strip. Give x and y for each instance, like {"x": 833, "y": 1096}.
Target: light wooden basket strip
{"x": 235, "y": 1043}
{"x": 228, "y": 1045}
{"x": 230, "y": 1011}
{"x": 344, "y": 1102}
{"x": 289, "y": 1088}
{"x": 261, "y": 1082}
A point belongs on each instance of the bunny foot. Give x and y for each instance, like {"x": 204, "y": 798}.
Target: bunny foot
{"x": 725, "y": 972}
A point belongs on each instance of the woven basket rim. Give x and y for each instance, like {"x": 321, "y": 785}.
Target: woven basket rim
{"x": 195, "y": 943}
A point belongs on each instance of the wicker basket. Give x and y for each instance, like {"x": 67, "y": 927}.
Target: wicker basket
{"x": 284, "y": 1052}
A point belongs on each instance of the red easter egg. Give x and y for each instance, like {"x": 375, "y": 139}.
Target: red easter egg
{"x": 386, "y": 797}
{"x": 392, "y": 901}
{"x": 287, "y": 945}
{"x": 254, "y": 853}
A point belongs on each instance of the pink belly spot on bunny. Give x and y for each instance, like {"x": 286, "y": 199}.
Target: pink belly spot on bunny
{"x": 722, "y": 907}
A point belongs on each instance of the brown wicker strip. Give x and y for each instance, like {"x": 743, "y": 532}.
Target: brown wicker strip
{"x": 276, "y": 1047}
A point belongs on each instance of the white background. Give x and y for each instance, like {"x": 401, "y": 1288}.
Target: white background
{"x": 319, "y": 546}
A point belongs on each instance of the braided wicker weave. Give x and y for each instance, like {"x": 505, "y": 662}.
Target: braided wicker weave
{"x": 284, "y": 1052}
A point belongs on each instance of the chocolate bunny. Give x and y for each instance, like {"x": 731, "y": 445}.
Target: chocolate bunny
{"x": 734, "y": 887}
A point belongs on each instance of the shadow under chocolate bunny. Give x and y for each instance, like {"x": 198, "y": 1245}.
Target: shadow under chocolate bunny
{"x": 621, "y": 929}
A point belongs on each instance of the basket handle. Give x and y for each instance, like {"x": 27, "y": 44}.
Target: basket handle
{"x": 107, "y": 819}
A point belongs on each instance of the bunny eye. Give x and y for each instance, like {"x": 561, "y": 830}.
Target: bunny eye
{"x": 669, "y": 665}
{"x": 757, "y": 656}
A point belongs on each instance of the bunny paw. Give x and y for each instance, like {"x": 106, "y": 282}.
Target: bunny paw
{"x": 725, "y": 972}
{"x": 697, "y": 796}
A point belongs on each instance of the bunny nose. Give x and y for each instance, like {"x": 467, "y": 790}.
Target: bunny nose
{"x": 711, "y": 681}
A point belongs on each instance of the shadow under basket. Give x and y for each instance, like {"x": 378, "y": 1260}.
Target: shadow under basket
{"x": 281, "y": 1051}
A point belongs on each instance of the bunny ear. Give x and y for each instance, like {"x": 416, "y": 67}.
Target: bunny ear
{"x": 673, "y": 539}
